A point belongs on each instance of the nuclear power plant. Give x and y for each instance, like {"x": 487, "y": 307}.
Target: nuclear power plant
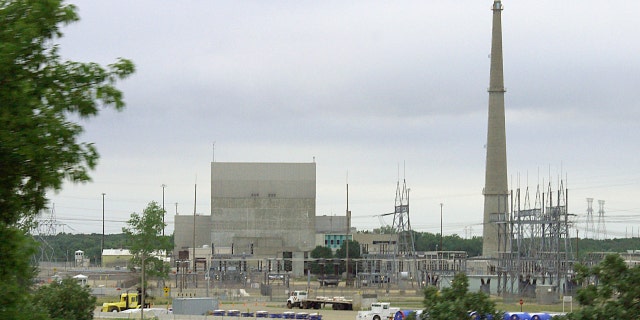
{"x": 263, "y": 225}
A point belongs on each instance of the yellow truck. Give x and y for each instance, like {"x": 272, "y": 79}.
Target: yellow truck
{"x": 128, "y": 300}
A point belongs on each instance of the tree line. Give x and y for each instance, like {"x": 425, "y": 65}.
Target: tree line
{"x": 60, "y": 247}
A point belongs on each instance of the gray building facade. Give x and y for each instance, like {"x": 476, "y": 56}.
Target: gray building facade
{"x": 186, "y": 226}
{"x": 263, "y": 209}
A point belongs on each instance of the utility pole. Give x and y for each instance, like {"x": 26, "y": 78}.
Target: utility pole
{"x": 163, "y": 211}
{"x": 143, "y": 289}
{"x": 441, "y": 248}
{"x": 195, "y": 195}
{"x": 102, "y": 242}
{"x": 347, "y": 237}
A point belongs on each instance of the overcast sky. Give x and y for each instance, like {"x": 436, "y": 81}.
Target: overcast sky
{"x": 374, "y": 91}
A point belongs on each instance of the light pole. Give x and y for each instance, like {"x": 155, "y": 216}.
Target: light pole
{"x": 163, "y": 212}
{"x": 441, "y": 227}
{"x": 102, "y": 242}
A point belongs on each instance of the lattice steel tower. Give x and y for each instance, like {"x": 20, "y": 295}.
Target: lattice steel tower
{"x": 402, "y": 223}
{"x": 45, "y": 229}
{"x": 602, "y": 229}
{"x": 589, "y": 230}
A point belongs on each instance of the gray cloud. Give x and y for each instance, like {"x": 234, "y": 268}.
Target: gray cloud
{"x": 363, "y": 87}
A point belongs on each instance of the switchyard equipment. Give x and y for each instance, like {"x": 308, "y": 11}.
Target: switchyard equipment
{"x": 535, "y": 247}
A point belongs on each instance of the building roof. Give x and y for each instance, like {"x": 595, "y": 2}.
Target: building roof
{"x": 116, "y": 252}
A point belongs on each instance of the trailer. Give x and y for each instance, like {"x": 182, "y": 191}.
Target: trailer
{"x": 300, "y": 299}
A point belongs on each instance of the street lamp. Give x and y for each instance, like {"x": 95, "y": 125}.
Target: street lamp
{"x": 102, "y": 243}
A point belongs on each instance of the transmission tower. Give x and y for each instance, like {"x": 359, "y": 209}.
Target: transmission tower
{"x": 602, "y": 229}
{"x": 589, "y": 230}
{"x": 401, "y": 222}
{"x": 45, "y": 229}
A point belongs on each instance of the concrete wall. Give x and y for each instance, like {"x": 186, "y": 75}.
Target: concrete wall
{"x": 272, "y": 225}
{"x": 183, "y": 234}
{"x": 331, "y": 224}
{"x": 271, "y": 205}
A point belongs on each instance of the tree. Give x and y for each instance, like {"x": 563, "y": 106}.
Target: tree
{"x": 40, "y": 96}
{"x": 612, "y": 290}
{"x": 146, "y": 242}
{"x": 385, "y": 230}
{"x": 322, "y": 265}
{"x": 354, "y": 253}
{"x": 354, "y": 250}
{"x": 456, "y": 302}
{"x": 66, "y": 300}
{"x": 16, "y": 273}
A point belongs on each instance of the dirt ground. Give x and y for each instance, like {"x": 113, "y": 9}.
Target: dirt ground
{"x": 327, "y": 314}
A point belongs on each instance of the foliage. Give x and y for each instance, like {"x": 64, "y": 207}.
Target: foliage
{"x": 144, "y": 234}
{"x": 66, "y": 300}
{"x": 354, "y": 253}
{"x": 456, "y": 302}
{"x": 354, "y": 250}
{"x": 612, "y": 290}
{"x": 429, "y": 242}
{"x": 319, "y": 266}
{"x": 586, "y": 246}
{"x": 384, "y": 230}
{"x": 16, "y": 273}
{"x": 321, "y": 252}
{"x": 63, "y": 245}
{"x": 40, "y": 94}
{"x": 425, "y": 241}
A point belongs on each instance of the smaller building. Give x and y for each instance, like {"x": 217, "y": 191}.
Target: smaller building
{"x": 332, "y": 241}
{"x": 376, "y": 244}
{"x": 80, "y": 260}
{"x": 112, "y": 258}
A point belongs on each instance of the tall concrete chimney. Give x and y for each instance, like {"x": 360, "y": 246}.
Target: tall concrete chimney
{"x": 495, "y": 188}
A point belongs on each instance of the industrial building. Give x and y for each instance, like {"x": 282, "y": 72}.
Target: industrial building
{"x": 258, "y": 211}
